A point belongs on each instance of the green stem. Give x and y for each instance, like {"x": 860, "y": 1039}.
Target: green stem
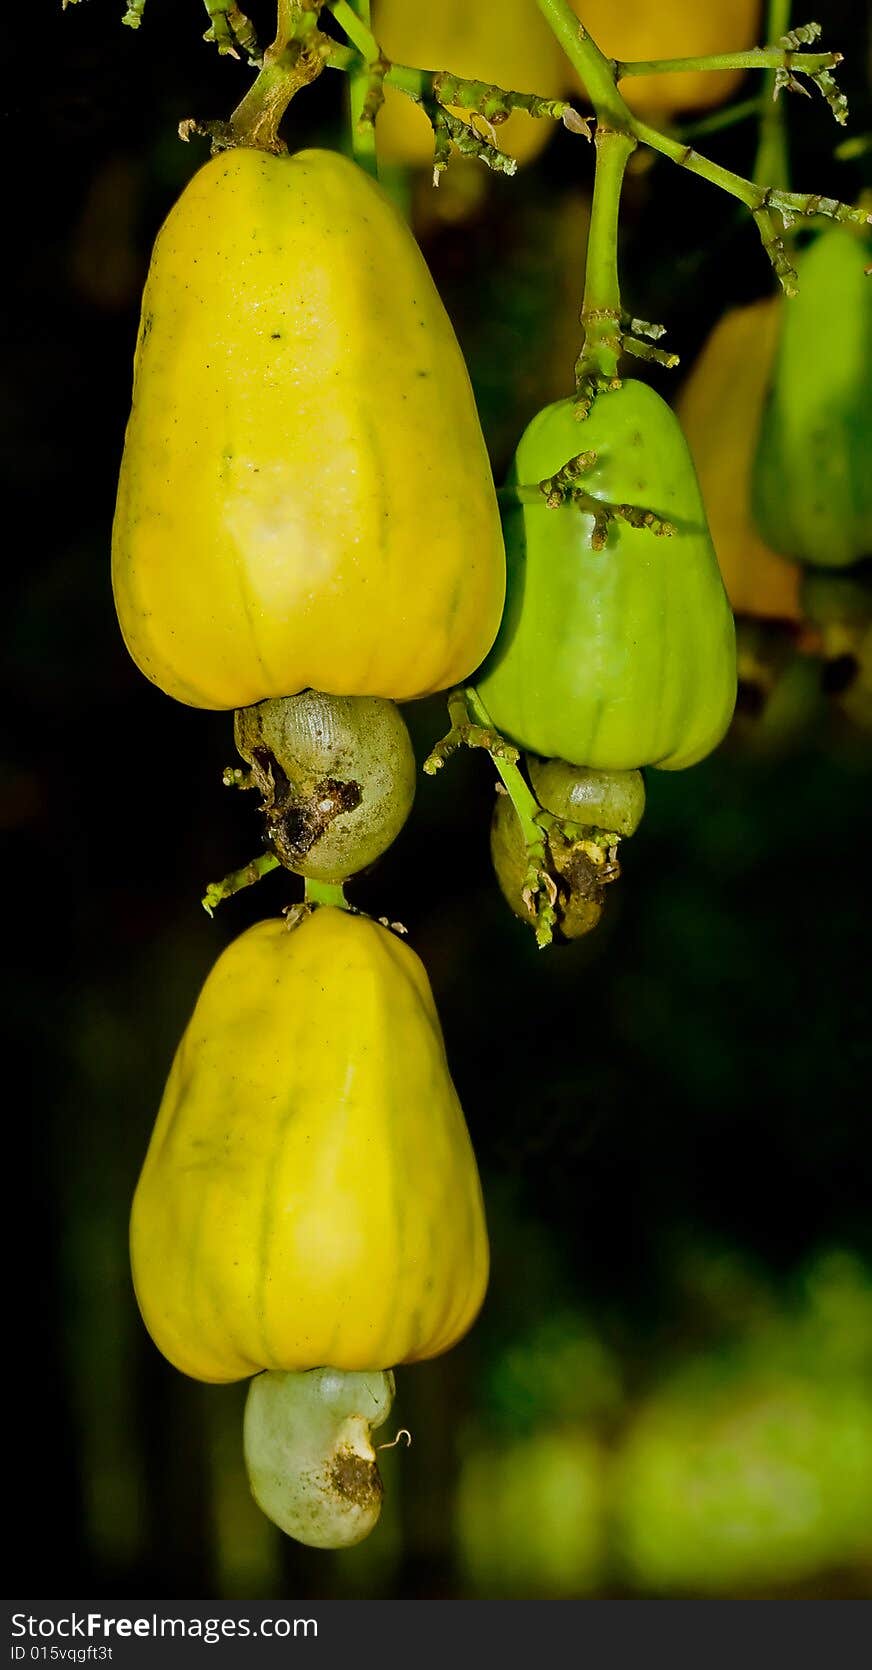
{"x": 528, "y": 812}
{"x": 442, "y": 88}
{"x": 763, "y": 201}
{"x": 441, "y": 94}
{"x": 361, "y": 120}
{"x": 295, "y": 58}
{"x": 231, "y": 29}
{"x": 596, "y": 70}
{"x": 755, "y": 58}
{"x": 414, "y": 83}
{"x": 217, "y": 891}
{"x": 356, "y": 25}
{"x": 287, "y": 12}
{"x": 521, "y": 795}
{"x": 422, "y": 84}
{"x": 601, "y": 310}
{"x": 755, "y": 197}
{"x": 686, "y": 157}
{"x": 772, "y": 163}
{"x": 325, "y": 893}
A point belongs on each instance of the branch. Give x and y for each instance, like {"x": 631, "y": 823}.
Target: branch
{"x": 597, "y": 364}
{"x": 821, "y": 78}
{"x": 366, "y": 97}
{"x": 755, "y": 58}
{"x": 566, "y": 487}
{"x": 325, "y": 893}
{"x": 598, "y": 72}
{"x": 783, "y": 59}
{"x": 762, "y": 201}
{"x": 440, "y": 93}
{"x": 217, "y": 891}
{"x": 301, "y": 51}
{"x": 296, "y": 57}
{"x": 231, "y": 31}
{"x": 466, "y": 733}
{"x": 471, "y": 727}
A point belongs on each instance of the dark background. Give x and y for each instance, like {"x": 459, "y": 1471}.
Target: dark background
{"x": 671, "y": 1118}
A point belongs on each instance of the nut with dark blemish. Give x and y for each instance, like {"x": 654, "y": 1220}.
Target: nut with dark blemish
{"x": 336, "y": 775}
{"x": 581, "y": 863}
{"x": 584, "y": 814}
{"x": 355, "y": 1478}
{"x": 309, "y": 1451}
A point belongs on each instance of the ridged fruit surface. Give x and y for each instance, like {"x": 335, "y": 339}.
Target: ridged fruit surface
{"x": 625, "y": 656}
{"x": 310, "y": 1196}
{"x": 305, "y": 497}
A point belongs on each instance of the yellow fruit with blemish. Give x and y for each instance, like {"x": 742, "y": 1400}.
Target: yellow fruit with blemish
{"x": 310, "y": 1197}
{"x": 305, "y": 497}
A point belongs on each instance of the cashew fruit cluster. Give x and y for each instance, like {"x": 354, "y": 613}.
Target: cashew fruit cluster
{"x": 616, "y": 649}
{"x": 306, "y": 532}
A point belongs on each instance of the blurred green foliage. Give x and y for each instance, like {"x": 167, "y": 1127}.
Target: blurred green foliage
{"x": 737, "y": 1465}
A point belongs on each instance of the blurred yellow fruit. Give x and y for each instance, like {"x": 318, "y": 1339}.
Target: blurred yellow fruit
{"x": 638, "y": 30}
{"x": 720, "y": 407}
